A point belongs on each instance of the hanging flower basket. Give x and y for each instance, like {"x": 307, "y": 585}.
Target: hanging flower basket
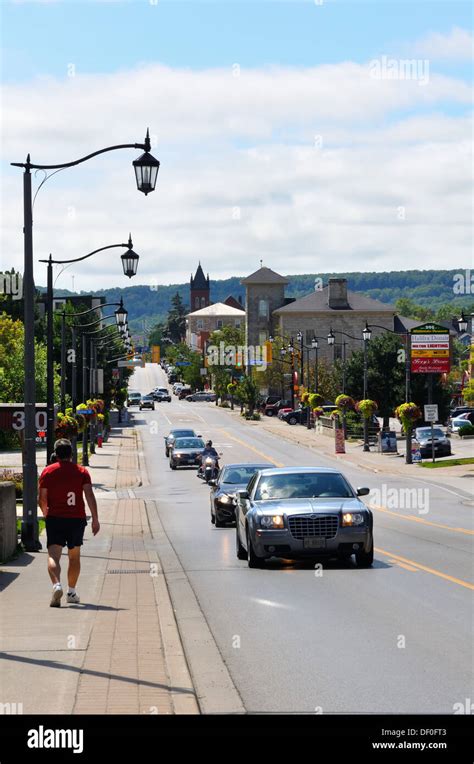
{"x": 86, "y": 411}
{"x": 345, "y": 402}
{"x": 66, "y": 426}
{"x": 315, "y": 400}
{"x": 408, "y": 414}
{"x": 367, "y": 407}
{"x": 318, "y": 411}
{"x": 81, "y": 423}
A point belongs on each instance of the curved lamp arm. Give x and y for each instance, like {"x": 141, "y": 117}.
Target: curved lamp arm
{"x": 129, "y": 245}
{"x": 28, "y": 165}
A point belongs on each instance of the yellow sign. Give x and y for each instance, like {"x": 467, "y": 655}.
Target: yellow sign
{"x": 269, "y": 349}
{"x": 430, "y": 353}
{"x": 155, "y": 354}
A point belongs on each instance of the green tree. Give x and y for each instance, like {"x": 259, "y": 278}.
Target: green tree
{"x": 11, "y": 363}
{"x": 248, "y": 392}
{"x": 176, "y": 322}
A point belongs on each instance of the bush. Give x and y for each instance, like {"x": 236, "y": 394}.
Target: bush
{"x": 11, "y": 476}
{"x": 466, "y": 429}
{"x": 255, "y": 417}
{"x": 224, "y": 405}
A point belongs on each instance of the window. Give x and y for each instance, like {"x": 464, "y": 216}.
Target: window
{"x": 196, "y": 303}
{"x": 337, "y": 351}
{"x": 237, "y": 323}
{"x": 263, "y": 308}
{"x": 262, "y": 338}
{"x": 219, "y": 323}
{"x": 309, "y": 334}
{"x": 200, "y": 323}
{"x": 203, "y": 302}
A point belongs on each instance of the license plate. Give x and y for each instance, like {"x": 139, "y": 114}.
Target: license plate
{"x": 314, "y": 542}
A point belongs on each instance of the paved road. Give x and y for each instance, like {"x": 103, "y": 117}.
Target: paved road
{"x": 396, "y": 638}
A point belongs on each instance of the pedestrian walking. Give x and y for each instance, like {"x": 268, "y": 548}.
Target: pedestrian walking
{"x": 62, "y": 488}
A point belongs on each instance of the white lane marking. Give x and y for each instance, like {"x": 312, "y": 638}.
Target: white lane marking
{"x": 181, "y": 406}
{"x": 270, "y": 603}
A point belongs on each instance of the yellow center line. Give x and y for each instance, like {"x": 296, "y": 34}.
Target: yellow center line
{"x": 433, "y": 572}
{"x": 421, "y": 520}
{"x": 252, "y": 448}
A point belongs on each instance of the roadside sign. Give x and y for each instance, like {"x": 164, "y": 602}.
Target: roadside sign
{"x": 183, "y": 363}
{"x": 130, "y": 364}
{"x": 203, "y": 372}
{"x": 431, "y": 412}
{"x": 115, "y": 374}
{"x": 430, "y": 349}
{"x": 155, "y": 354}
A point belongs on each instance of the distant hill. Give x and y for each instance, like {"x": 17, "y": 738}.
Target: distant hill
{"x": 431, "y": 288}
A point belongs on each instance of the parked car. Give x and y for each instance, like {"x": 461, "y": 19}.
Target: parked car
{"x": 201, "y": 396}
{"x": 442, "y": 444}
{"x": 295, "y": 416}
{"x": 231, "y": 478}
{"x": 147, "y": 402}
{"x": 284, "y": 411}
{"x": 268, "y": 400}
{"x": 183, "y": 392}
{"x": 133, "y": 399}
{"x": 302, "y": 512}
{"x": 162, "y": 394}
{"x": 186, "y": 452}
{"x": 270, "y": 409}
{"x": 176, "y": 387}
{"x": 179, "y": 432}
{"x": 459, "y": 421}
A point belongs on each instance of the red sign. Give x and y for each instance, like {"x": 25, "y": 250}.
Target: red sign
{"x": 430, "y": 349}
{"x": 430, "y": 365}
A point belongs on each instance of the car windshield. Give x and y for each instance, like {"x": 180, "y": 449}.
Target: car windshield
{"x": 303, "y": 485}
{"x": 425, "y": 432}
{"x": 240, "y": 474}
{"x": 188, "y": 443}
{"x": 182, "y": 434}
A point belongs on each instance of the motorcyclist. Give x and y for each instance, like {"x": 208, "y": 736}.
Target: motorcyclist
{"x": 209, "y": 450}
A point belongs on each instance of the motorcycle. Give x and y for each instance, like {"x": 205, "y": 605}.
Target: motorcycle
{"x": 208, "y": 469}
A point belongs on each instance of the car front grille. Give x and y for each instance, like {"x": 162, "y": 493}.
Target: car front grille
{"x": 324, "y": 526}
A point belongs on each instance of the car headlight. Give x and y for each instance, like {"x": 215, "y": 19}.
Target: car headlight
{"x": 226, "y": 498}
{"x": 352, "y": 518}
{"x": 272, "y": 521}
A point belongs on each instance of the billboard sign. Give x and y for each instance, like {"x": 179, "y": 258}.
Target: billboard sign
{"x": 430, "y": 349}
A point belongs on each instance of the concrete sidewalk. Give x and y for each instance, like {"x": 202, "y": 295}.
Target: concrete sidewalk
{"x": 119, "y": 651}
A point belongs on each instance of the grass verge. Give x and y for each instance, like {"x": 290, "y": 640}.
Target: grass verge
{"x": 448, "y": 463}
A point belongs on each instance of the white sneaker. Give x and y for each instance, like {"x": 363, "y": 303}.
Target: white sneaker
{"x": 56, "y": 596}
{"x": 74, "y": 599}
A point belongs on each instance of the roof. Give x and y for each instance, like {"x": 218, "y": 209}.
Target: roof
{"x": 317, "y": 302}
{"x": 217, "y": 309}
{"x": 300, "y": 470}
{"x": 264, "y": 276}
{"x": 199, "y": 281}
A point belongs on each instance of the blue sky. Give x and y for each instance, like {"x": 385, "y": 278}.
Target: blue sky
{"x": 40, "y": 38}
{"x": 301, "y": 158}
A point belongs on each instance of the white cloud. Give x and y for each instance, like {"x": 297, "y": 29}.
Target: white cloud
{"x": 250, "y": 143}
{"x": 457, "y": 45}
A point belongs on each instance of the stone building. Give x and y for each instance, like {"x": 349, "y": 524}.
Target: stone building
{"x": 265, "y": 292}
{"x": 337, "y": 308}
{"x": 201, "y": 323}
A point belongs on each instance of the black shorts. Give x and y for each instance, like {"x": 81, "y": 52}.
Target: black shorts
{"x": 65, "y": 531}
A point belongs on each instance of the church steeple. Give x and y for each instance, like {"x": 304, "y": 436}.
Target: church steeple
{"x": 200, "y": 290}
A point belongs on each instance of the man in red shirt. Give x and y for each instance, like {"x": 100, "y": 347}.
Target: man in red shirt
{"x": 61, "y": 489}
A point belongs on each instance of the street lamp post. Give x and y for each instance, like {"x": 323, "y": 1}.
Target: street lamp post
{"x": 130, "y": 265}
{"x": 146, "y": 171}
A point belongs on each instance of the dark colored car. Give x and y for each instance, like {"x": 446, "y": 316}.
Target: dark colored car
{"x": 185, "y": 391}
{"x": 133, "y": 398}
{"x": 179, "y": 432}
{"x": 270, "y": 399}
{"x": 271, "y": 409}
{"x": 298, "y": 512}
{"x": 231, "y": 478}
{"x": 147, "y": 402}
{"x": 204, "y": 396}
{"x": 442, "y": 444}
{"x": 186, "y": 452}
{"x": 297, "y": 416}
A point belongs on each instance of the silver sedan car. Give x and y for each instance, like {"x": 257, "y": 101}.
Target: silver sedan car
{"x": 298, "y": 512}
